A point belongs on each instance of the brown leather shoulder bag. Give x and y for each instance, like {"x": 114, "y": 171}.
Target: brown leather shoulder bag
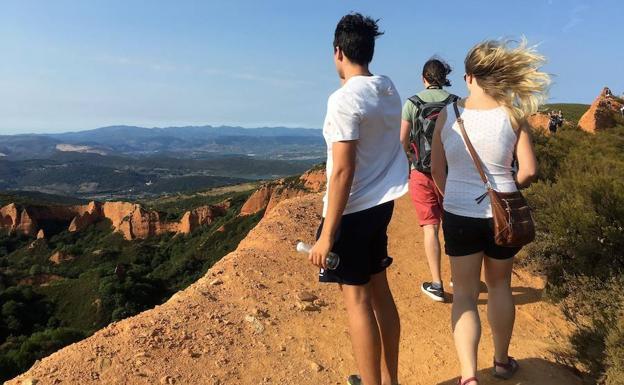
{"x": 513, "y": 223}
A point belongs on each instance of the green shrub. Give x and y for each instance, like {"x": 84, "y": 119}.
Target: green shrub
{"x": 109, "y": 279}
{"x": 18, "y": 353}
{"x": 579, "y": 211}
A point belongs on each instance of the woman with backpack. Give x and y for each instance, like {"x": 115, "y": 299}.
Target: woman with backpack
{"x": 418, "y": 122}
{"x": 505, "y": 86}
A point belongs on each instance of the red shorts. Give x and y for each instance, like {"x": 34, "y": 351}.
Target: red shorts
{"x": 426, "y": 197}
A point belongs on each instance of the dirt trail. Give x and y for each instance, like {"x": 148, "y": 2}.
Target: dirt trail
{"x": 243, "y": 323}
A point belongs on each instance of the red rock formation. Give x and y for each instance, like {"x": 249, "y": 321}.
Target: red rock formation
{"x": 143, "y": 224}
{"x": 272, "y": 193}
{"x": 281, "y": 194}
{"x": 91, "y": 214}
{"x": 40, "y": 234}
{"x": 539, "y": 122}
{"x": 258, "y": 201}
{"x": 601, "y": 114}
{"x": 59, "y": 257}
{"x": 9, "y": 217}
{"x": 27, "y": 224}
{"x": 135, "y": 222}
{"x": 117, "y": 211}
{"x": 130, "y": 219}
{"x": 314, "y": 180}
{"x": 200, "y": 216}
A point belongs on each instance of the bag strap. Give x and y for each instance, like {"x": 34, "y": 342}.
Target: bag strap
{"x": 451, "y": 98}
{"x": 417, "y": 101}
{"x": 471, "y": 150}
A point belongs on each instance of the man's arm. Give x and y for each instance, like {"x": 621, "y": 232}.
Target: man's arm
{"x": 406, "y": 126}
{"x": 343, "y": 157}
{"x": 407, "y": 112}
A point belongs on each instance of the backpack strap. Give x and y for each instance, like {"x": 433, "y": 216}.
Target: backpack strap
{"x": 450, "y": 99}
{"x": 416, "y": 100}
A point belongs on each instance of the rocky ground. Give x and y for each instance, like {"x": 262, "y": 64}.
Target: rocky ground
{"x": 260, "y": 317}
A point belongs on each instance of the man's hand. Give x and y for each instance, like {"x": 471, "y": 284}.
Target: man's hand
{"x": 320, "y": 251}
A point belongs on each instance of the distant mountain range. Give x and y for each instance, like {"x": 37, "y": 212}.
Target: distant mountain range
{"x": 124, "y": 162}
{"x": 179, "y": 142}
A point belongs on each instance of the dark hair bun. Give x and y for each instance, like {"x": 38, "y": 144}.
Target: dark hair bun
{"x": 435, "y": 71}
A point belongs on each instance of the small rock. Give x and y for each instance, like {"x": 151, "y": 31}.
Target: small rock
{"x": 216, "y": 282}
{"x": 167, "y": 380}
{"x": 103, "y": 363}
{"x": 191, "y": 353}
{"x": 29, "y": 381}
{"x": 258, "y": 326}
{"x": 315, "y": 366}
{"x": 307, "y": 306}
{"x": 319, "y": 303}
{"x": 306, "y": 296}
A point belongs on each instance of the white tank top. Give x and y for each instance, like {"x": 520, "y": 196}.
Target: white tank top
{"x": 494, "y": 139}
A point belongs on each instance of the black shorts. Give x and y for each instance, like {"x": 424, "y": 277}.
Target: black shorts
{"x": 361, "y": 242}
{"x": 466, "y": 235}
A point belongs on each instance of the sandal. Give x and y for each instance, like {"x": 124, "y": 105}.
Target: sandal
{"x": 511, "y": 367}
{"x": 466, "y": 381}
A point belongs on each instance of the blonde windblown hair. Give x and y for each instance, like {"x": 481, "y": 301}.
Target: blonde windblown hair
{"x": 511, "y": 75}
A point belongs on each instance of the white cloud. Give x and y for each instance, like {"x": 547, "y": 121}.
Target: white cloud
{"x": 250, "y": 74}
{"x": 575, "y": 18}
{"x": 157, "y": 66}
{"x": 275, "y": 80}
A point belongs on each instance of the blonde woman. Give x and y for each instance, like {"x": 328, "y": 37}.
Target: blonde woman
{"x": 505, "y": 86}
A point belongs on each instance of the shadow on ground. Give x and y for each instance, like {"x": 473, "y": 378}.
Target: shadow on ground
{"x": 522, "y": 295}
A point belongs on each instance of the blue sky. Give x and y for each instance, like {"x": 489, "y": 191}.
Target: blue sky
{"x": 74, "y": 65}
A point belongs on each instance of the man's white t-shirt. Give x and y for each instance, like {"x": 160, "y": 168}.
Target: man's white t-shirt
{"x": 368, "y": 109}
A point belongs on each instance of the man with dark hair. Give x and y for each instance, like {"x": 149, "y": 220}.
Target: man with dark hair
{"x": 366, "y": 172}
{"x": 419, "y": 116}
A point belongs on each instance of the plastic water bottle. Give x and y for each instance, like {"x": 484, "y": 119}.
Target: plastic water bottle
{"x": 332, "y": 261}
